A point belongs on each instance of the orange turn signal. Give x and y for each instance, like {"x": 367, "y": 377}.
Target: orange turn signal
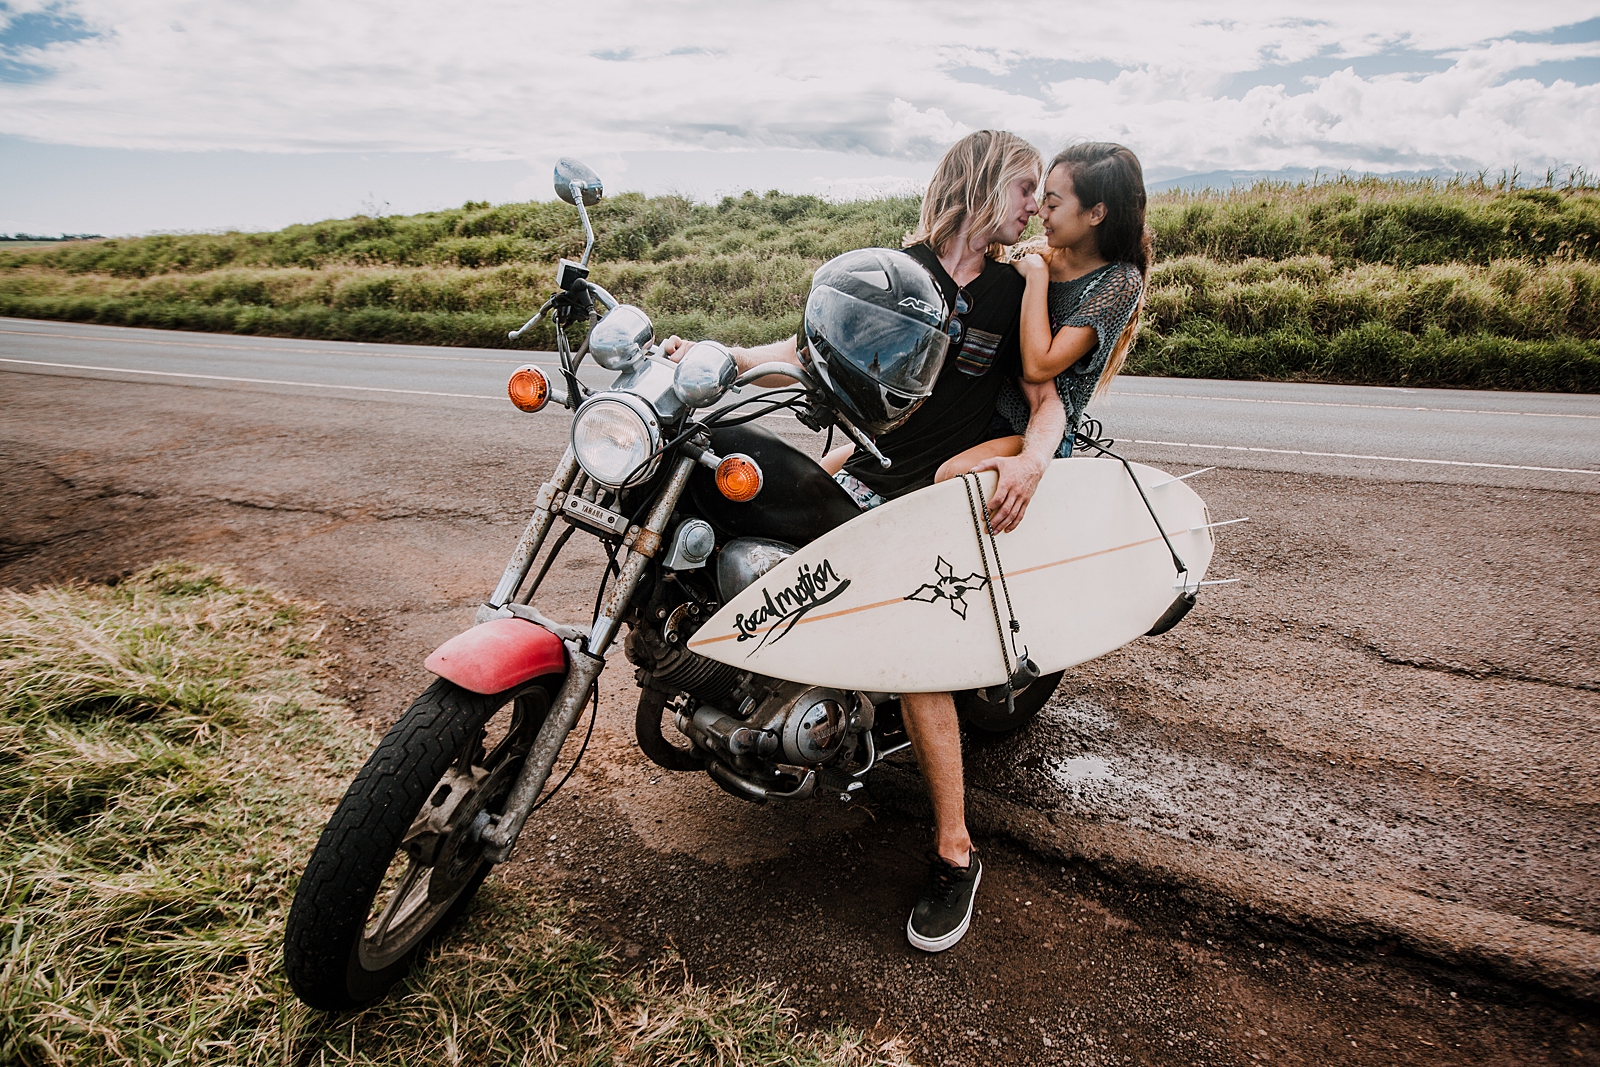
{"x": 738, "y": 478}
{"x": 529, "y": 388}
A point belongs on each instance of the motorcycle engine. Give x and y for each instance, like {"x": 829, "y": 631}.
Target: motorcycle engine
{"x": 748, "y": 721}
{"x": 811, "y": 722}
{"x": 803, "y": 725}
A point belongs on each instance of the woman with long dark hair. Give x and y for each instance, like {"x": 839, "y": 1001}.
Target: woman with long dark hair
{"x": 1081, "y": 308}
{"x": 1084, "y": 292}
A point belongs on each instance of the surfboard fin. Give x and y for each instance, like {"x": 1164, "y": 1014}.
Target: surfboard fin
{"x": 1214, "y": 525}
{"x": 1174, "y": 614}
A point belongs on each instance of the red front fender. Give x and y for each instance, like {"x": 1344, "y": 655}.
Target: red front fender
{"x": 501, "y": 653}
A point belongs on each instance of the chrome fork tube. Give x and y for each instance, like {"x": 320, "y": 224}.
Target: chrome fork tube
{"x": 646, "y": 543}
{"x": 538, "y": 526}
{"x": 499, "y": 833}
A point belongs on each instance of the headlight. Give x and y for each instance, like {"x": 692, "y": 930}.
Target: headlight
{"x": 615, "y": 437}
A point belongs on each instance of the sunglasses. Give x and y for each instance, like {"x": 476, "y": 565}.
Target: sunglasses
{"x": 955, "y": 327}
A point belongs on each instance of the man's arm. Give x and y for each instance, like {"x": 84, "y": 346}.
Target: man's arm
{"x": 745, "y": 358}
{"x": 1020, "y": 474}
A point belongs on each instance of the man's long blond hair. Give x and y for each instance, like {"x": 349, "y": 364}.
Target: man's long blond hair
{"x": 971, "y": 185}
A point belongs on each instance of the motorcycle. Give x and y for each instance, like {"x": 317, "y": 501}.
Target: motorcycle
{"x": 668, "y": 474}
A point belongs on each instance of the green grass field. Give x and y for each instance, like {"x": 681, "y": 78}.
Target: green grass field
{"x": 167, "y": 759}
{"x": 1457, "y": 283}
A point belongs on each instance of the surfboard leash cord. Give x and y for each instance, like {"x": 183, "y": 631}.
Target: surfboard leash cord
{"x": 1025, "y": 670}
{"x": 1103, "y": 445}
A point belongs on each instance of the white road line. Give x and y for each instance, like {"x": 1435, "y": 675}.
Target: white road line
{"x": 251, "y": 381}
{"x": 481, "y": 396}
{"x": 1382, "y": 459}
{"x": 1372, "y": 407}
{"x": 258, "y": 348}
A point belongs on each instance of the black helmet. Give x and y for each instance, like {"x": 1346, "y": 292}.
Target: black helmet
{"x": 874, "y": 333}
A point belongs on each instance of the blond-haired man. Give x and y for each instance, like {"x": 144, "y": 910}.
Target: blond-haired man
{"x": 979, "y": 200}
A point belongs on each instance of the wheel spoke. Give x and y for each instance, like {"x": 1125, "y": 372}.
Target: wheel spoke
{"x": 414, "y": 871}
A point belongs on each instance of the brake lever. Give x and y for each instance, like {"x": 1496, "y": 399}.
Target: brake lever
{"x": 862, "y": 441}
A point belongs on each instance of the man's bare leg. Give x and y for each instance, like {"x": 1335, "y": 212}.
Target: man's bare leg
{"x": 936, "y": 739}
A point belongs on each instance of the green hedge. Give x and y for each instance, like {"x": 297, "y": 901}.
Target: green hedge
{"x": 1445, "y": 283}
{"x": 1371, "y": 354}
{"x": 1349, "y": 222}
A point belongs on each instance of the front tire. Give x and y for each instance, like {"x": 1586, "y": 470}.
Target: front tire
{"x": 396, "y": 865}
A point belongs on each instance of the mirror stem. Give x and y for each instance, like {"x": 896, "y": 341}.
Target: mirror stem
{"x": 588, "y": 230}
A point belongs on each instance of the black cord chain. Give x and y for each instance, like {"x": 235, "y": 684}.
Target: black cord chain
{"x": 967, "y": 481}
{"x": 1000, "y": 569}
{"x": 594, "y": 711}
{"x": 1089, "y": 437}
{"x": 550, "y": 557}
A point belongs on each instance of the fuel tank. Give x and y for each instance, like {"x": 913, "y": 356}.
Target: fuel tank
{"x": 798, "y": 502}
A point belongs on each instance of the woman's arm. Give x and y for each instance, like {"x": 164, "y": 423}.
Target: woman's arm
{"x": 1070, "y": 344}
{"x": 1033, "y": 333}
{"x": 1044, "y": 356}
{"x": 1104, "y": 313}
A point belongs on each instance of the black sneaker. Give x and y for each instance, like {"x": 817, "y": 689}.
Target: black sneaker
{"x": 944, "y": 911}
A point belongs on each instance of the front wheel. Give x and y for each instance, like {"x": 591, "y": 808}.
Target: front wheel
{"x": 396, "y": 864}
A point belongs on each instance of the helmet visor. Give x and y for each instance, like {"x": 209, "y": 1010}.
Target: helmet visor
{"x": 900, "y": 352}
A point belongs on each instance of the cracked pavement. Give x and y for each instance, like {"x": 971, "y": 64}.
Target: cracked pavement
{"x": 1399, "y": 694}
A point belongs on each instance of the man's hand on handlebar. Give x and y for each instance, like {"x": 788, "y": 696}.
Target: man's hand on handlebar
{"x": 674, "y": 347}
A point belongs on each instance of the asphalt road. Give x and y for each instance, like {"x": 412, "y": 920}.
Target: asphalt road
{"x": 1348, "y": 790}
{"x": 1469, "y": 437}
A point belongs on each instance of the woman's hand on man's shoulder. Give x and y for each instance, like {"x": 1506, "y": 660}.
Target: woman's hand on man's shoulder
{"x": 1032, "y": 266}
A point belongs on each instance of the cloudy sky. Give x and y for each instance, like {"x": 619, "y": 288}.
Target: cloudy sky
{"x": 125, "y": 116}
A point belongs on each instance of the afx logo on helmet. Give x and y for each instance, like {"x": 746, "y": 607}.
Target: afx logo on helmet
{"x": 874, "y": 333}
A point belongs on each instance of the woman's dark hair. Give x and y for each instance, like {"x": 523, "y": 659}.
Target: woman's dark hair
{"x": 1109, "y": 174}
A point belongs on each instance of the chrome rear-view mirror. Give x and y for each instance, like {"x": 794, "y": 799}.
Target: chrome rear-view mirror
{"x": 573, "y": 179}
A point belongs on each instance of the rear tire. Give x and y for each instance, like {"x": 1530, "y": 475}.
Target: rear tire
{"x": 981, "y": 714}
{"x": 387, "y": 877}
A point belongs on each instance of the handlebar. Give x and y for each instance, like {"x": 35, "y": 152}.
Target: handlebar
{"x": 761, "y": 370}
{"x": 548, "y": 304}
{"x": 600, "y": 294}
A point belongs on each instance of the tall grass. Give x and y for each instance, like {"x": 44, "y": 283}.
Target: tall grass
{"x": 1404, "y": 223}
{"x": 1268, "y": 281}
{"x": 167, "y": 755}
{"x": 1372, "y": 220}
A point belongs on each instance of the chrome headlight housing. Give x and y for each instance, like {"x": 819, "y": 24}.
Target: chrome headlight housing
{"x": 616, "y": 437}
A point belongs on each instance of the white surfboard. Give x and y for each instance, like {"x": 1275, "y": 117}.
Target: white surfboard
{"x": 896, "y": 601}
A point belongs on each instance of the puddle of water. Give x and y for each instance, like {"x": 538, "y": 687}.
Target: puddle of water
{"x": 1080, "y": 769}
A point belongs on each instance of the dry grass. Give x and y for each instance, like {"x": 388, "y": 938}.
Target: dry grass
{"x": 167, "y": 757}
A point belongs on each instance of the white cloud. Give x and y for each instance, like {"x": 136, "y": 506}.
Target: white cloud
{"x": 495, "y": 79}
